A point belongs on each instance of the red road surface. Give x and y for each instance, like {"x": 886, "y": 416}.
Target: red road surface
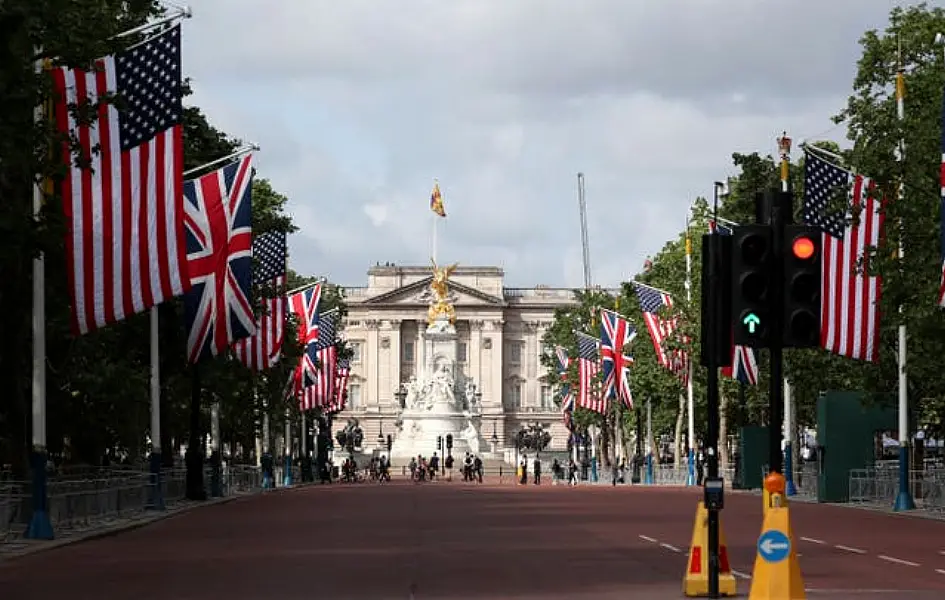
{"x": 461, "y": 541}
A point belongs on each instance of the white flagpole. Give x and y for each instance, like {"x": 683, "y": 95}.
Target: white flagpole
{"x": 235, "y": 154}
{"x": 784, "y": 150}
{"x": 40, "y": 527}
{"x": 904, "y": 499}
{"x": 690, "y": 392}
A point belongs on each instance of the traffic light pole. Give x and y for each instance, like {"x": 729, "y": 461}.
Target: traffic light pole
{"x": 777, "y": 219}
{"x": 714, "y": 258}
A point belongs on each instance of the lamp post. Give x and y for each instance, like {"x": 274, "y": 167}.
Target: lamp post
{"x": 495, "y": 438}
{"x": 400, "y": 393}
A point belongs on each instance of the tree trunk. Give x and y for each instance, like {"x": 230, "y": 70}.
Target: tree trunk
{"x": 723, "y": 432}
{"x": 678, "y": 441}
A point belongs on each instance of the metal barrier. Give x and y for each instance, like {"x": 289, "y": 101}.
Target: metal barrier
{"x": 880, "y": 486}
{"x": 92, "y": 498}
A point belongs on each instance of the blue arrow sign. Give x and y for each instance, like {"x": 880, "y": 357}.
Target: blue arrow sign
{"x": 774, "y": 546}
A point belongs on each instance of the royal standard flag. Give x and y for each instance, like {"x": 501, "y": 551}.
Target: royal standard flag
{"x": 436, "y": 201}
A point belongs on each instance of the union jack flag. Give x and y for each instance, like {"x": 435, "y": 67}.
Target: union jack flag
{"x": 615, "y": 334}
{"x": 321, "y": 391}
{"x": 263, "y": 349}
{"x": 744, "y": 367}
{"x": 651, "y": 302}
{"x": 305, "y": 306}
{"x": 588, "y": 370}
{"x": 218, "y": 220}
{"x": 567, "y": 398}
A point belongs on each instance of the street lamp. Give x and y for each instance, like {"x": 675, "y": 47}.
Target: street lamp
{"x": 401, "y": 394}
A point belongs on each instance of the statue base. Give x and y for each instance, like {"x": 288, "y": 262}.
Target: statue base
{"x": 420, "y": 430}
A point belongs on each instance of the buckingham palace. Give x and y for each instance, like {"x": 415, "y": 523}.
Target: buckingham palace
{"x": 499, "y": 346}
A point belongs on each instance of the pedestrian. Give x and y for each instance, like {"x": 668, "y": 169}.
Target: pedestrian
{"x": 449, "y": 467}
{"x": 537, "y": 467}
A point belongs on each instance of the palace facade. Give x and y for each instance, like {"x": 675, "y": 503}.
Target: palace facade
{"x": 500, "y": 331}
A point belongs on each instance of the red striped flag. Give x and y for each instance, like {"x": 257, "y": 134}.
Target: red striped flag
{"x": 589, "y": 396}
{"x": 123, "y": 198}
{"x": 652, "y": 301}
{"x": 849, "y": 296}
{"x": 263, "y": 349}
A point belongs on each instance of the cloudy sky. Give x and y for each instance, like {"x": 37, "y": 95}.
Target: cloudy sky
{"x": 359, "y": 104}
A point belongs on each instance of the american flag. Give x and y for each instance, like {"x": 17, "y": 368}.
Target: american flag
{"x": 744, "y": 367}
{"x": 567, "y": 398}
{"x": 263, "y": 349}
{"x": 941, "y": 289}
{"x": 615, "y": 334}
{"x": 218, "y": 218}
{"x": 849, "y": 297}
{"x": 124, "y": 202}
{"x": 322, "y": 391}
{"x": 651, "y": 302}
{"x": 342, "y": 374}
{"x": 305, "y": 305}
{"x": 588, "y": 368}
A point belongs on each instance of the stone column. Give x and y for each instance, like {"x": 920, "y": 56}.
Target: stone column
{"x": 531, "y": 392}
{"x": 474, "y": 352}
{"x": 370, "y": 356}
{"x": 496, "y": 333}
{"x": 390, "y": 401}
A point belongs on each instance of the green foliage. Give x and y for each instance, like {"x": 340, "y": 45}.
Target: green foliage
{"x": 98, "y": 384}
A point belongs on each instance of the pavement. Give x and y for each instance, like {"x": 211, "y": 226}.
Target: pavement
{"x": 462, "y": 541}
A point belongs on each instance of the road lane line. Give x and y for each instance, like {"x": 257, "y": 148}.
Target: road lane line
{"x": 940, "y": 571}
{"x": 647, "y": 538}
{"x": 813, "y": 540}
{"x": 849, "y": 549}
{"x": 740, "y": 575}
{"x": 669, "y": 547}
{"x": 898, "y": 561}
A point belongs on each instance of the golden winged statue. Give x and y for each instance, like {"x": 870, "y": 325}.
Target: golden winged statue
{"x": 440, "y": 287}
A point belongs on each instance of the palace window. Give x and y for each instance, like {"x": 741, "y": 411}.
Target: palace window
{"x": 356, "y": 352}
{"x": 354, "y": 396}
{"x": 515, "y": 353}
{"x": 461, "y": 352}
{"x": 515, "y": 395}
{"x": 408, "y": 352}
{"x": 546, "y": 399}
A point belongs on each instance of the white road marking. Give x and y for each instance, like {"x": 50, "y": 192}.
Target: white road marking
{"x": 898, "y": 561}
{"x": 849, "y": 549}
{"x": 942, "y": 552}
{"x": 740, "y": 575}
{"x": 668, "y": 547}
{"x": 647, "y": 538}
{"x": 940, "y": 571}
{"x": 813, "y": 540}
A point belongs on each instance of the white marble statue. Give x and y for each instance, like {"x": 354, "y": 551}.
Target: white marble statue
{"x": 471, "y": 436}
{"x": 443, "y": 386}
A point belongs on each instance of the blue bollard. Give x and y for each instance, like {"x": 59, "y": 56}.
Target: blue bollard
{"x": 287, "y": 467}
{"x": 594, "y": 469}
{"x": 40, "y": 527}
{"x": 267, "y": 480}
{"x": 691, "y": 467}
{"x": 904, "y": 499}
{"x": 789, "y": 488}
{"x": 649, "y": 470}
{"x": 156, "y": 499}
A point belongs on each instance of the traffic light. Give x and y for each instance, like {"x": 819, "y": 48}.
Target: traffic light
{"x": 439, "y": 442}
{"x": 390, "y": 442}
{"x": 752, "y": 266}
{"x": 449, "y": 441}
{"x": 802, "y": 276}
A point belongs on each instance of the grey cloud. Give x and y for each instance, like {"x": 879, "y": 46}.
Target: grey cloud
{"x": 504, "y": 102}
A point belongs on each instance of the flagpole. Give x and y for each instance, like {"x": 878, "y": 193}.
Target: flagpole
{"x": 40, "y": 527}
{"x": 690, "y": 392}
{"x": 157, "y": 491}
{"x": 904, "y": 499}
{"x": 235, "y": 154}
{"x": 784, "y": 150}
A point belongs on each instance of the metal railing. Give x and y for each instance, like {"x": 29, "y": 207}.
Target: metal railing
{"x": 91, "y": 498}
{"x": 880, "y": 486}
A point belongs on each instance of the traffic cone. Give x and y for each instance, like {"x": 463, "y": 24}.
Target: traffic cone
{"x": 696, "y": 579}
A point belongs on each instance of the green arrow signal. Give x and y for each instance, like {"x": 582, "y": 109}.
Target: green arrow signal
{"x": 752, "y": 321}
